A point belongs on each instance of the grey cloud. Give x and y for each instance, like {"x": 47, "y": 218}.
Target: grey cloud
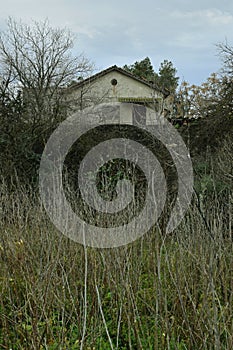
{"x": 110, "y": 32}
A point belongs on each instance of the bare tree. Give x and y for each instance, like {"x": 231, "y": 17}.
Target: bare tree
{"x": 36, "y": 66}
{"x": 225, "y": 51}
{"x": 40, "y": 61}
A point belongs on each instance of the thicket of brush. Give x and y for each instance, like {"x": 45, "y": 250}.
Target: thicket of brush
{"x": 159, "y": 292}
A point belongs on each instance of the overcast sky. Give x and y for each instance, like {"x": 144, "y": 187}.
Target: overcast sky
{"x": 121, "y": 32}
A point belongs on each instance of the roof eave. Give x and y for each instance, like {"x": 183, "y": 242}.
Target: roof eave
{"x": 122, "y": 71}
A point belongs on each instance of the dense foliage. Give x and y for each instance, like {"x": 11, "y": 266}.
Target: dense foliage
{"x": 165, "y": 79}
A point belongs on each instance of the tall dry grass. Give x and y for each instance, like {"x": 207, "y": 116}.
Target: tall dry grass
{"x": 159, "y": 292}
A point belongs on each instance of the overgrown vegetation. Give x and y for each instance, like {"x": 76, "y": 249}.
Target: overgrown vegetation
{"x": 159, "y": 292}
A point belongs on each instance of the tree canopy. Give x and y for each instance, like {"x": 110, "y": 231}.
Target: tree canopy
{"x": 143, "y": 69}
{"x": 165, "y": 78}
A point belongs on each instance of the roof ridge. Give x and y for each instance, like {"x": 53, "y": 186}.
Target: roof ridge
{"x": 119, "y": 69}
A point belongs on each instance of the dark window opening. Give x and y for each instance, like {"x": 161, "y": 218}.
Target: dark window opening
{"x": 114, "y": 82}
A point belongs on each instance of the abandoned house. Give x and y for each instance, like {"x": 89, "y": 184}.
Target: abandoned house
{"x": 115, "y": 84}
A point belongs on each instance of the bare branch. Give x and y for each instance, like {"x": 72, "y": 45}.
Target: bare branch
{"x": 40, "y": 60}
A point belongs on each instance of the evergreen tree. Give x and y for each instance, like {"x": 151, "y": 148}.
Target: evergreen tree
{"x": 165, "y": 79}
{"x": 167, "y": 76}
{"x": 143, "y": 69}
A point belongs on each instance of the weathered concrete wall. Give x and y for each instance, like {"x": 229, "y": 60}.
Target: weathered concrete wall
{"x": 102, "y": 90}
